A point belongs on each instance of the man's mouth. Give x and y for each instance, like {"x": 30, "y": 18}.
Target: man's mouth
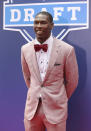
{"x": 39, "y": 32}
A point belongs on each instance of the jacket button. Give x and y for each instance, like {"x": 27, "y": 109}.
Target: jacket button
{"x": 42, "y": 85}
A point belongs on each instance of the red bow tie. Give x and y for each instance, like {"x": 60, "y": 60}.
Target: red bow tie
{"x": 44, "y": 47}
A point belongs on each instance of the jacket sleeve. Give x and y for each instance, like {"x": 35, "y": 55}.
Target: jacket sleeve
{"x": 71, "y": 72}
{"x": 25, "y": 69}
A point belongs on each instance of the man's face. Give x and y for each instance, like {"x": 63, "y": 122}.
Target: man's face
{"x": 42, "y": 27}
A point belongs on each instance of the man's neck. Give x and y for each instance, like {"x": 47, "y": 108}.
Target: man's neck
{"x": 41, "y": 40}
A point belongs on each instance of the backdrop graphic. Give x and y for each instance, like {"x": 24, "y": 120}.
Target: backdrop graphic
{"x": 14, "y": 32}
{"x": 67, "y": 16}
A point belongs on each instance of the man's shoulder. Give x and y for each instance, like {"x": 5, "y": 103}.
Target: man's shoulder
{"x": 62, "y": 43}
{"x": 27, "y": 45}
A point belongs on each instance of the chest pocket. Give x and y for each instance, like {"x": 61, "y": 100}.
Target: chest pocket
{"x": 57, "y": 70}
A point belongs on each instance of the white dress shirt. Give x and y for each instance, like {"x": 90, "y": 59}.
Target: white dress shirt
{"x": 43, "y": 57}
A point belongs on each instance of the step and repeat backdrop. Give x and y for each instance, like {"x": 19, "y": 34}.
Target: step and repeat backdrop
{"x": 72, "y": 24}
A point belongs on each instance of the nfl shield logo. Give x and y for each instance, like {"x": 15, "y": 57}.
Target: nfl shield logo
{"x": 67, "y": 16}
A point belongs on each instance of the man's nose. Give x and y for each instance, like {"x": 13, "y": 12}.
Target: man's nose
{"x": 39, "y": 25}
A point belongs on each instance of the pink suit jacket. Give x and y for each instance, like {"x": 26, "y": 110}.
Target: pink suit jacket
{"x": 60, "y": 80}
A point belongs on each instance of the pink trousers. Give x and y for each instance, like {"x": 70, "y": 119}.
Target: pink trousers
{"x": 40, "y": 123}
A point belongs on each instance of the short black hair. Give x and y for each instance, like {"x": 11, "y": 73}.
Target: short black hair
{"x": 47, "y": 14}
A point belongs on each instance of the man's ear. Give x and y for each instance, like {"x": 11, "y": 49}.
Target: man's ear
{"x": 52, "y": 25}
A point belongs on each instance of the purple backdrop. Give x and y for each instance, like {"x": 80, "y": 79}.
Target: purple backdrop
{"x": 13, "y": 89}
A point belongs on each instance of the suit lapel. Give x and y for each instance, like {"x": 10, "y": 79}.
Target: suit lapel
{"x": 54, "y": 53}
{"x": 35, "y": 64}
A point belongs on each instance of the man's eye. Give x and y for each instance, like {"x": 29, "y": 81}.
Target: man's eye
{"x": 35, "y": 22}
{"x": 43, "y": 22}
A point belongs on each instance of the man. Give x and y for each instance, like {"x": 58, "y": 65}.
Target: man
{"x": 51, "y": 74}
